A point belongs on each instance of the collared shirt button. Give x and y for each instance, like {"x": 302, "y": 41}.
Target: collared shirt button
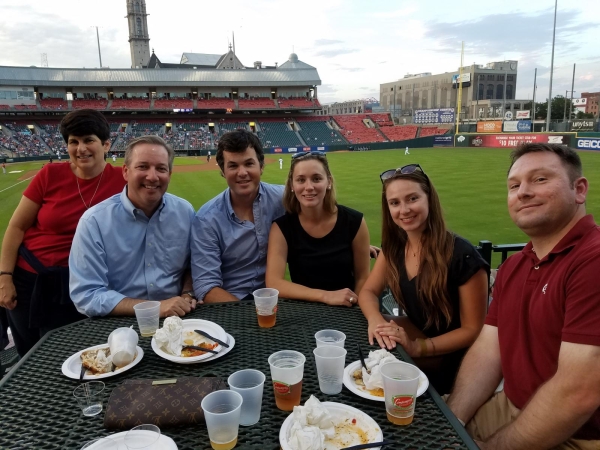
{"x": 536, "y": 267}
{"x": 151, "y": 284}
{"x": 149, "y": 264}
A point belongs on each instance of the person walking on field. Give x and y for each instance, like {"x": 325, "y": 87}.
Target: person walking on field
{"x": 280, "y": 163}
{"x": 406, "y": 151}
{"x": 4, "y": 168}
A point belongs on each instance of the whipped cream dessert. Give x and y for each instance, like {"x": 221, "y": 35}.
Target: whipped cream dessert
{"x": 169, "y": 338}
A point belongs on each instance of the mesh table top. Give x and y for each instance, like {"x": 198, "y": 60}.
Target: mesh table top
{"x": 38, "y": 411}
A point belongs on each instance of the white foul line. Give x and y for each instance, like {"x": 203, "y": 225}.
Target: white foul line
{"x": 16, "y": 184}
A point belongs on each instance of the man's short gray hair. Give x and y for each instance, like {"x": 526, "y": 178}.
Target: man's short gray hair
{"x": 152, "y": 140}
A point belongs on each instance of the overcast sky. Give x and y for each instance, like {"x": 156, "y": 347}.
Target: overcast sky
{"x": 355, "y": 45}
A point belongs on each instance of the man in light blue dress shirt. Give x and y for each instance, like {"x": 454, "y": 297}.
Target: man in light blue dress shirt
{"x": 135, "y": 246}
{"x": 230, "y": 233}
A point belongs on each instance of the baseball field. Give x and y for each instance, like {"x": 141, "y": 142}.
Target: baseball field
{"x": 471, "y": 184}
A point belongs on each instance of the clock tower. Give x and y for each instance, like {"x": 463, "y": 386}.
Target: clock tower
{"x": 139, "y": 41}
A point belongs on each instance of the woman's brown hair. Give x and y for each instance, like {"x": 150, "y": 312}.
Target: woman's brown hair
{"x": 291, "y": 203}
{"x": 437, "y": 244}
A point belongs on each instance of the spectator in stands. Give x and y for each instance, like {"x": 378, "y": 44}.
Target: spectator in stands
{"x": 326, "y": 245}
{"x": 4, "y": 168}
{"x": 438, "y": 278}
{"x": 135, "y": 246}
{"x": 541, "y": 333}
{"x": 36, "y": 245}
{"x": 230, "y": 233}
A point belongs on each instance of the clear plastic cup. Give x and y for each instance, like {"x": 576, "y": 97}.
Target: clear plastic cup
{"x": 147, "y": 315}
{"x": 249, "y": 383}
{"x": 330, "y": 361}
{"x": 287, "y": 372}
{"x": 330, "y": 337}
{"x": 222, "y": 413}
{"x": 122, "y": 342}
{"x": 265, "y": 301}
{"x": 142, "y": 437}
{"x": 101, "y": 444}
{"x": 89, "y": 396}
{"x": 400, "y": 385}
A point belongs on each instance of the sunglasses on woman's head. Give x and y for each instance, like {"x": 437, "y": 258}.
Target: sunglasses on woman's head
{"x": 404, "y": 170}
{"x": 312, "y": 152}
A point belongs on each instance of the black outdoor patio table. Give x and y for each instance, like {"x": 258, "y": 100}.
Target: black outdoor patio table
{"x": 38, "y": 411}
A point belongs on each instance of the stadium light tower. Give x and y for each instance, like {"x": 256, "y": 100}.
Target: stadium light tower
{"x": 98, "y": 39}
{"x": 551, "y": 69}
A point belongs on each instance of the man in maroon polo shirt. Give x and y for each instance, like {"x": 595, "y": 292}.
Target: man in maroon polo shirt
{"x": 542, "y": 332}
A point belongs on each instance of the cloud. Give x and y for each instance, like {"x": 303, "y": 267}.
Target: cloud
{"x": 499, "y": 34}
{"x": 327, "y": 89}
{"x": 353, "y": 69}
{"x": 335, "y": 52}
{"x": 403, "y": 12}
{"x": 327, "y": 42}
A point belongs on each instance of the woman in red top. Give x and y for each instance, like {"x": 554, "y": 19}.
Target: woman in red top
{"x": 34, "y": 274}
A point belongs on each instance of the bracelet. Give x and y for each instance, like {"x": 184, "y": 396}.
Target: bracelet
{"x": 433, "y": 347}
{"x": 2, "y": 272}
{"x": 423, "y": 345}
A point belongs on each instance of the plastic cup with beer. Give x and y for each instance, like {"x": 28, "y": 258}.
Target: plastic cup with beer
{"x": 400, "y": 385}
{"x": 330, "y": 361}
{"x": 266, "y": 306}
{"x": 147, "y": 315}
{"x": 287, "y": 372}
{"x": 222, "y": 414}
{"x": 330, "y": 337}
{"x": 249, "y": 383}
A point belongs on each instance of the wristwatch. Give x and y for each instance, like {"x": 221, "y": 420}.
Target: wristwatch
{"x": 190, "y": 293}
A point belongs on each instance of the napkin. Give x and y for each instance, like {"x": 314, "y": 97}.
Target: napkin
{"x": 311, "y": 424}
{"x": 376, "y": 359}
{"x": 169, "y": 338}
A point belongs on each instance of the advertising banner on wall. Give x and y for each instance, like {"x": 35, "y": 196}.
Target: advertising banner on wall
{"x": 437, "y": 115}
{"x": 465, "y": 78}
{"x": 582, "y": 125}
{"x": 489, "y": 126}
{"x": 510, "y": 140}
{"x": 298, "y": 149}
{"x": 588, "y": 143}
{"x": 522, "y": 114}
{"x": 517, "y": 126}
{"x": 443, "y": 141}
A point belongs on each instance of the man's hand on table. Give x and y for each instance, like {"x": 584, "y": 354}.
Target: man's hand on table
{"x": 177, "y": 306}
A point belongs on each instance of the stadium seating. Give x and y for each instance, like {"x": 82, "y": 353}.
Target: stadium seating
{"x": 115, "y": 127}
{"x": 383, "y": 120}
{"x": 354, "y": 130}
{"x": 173, "y": 103}
{"x": 200, "y": 139}
{"x": 130, "y": 103}
{"x": 175, "y": 138}
{"x": 147, "y": 127}
{"x": 277, "y": 134}
{"x": 192, "y": 125}
{"x": 224, "y": 127}
{"x": 18, "y": 127}
{"x": 52, "y": 137}
{"x": 400, "y": 133}
{"x": 295, "y": 102}
{"x": 432, "y": 131}
{"x": 256, "y": 103}
{"x": 318, "y": 133}
{"x": 316, "y": 102}
{"x": 216, "y": 103}
{"x": 100, "y": 103}
{"x": 4, "y": 107}
{"x": 26, "y": 107}
{"x": 53, "y": 103}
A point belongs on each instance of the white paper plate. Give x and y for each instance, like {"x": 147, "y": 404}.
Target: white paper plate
{"x": 340, "y": 411}
{"x": 164, "y": 442}
{"x": 190, "y": 325}
{"x": 361, "y": 390}
{"x": 229, "y": 339}
{"x": 72, "y": 366}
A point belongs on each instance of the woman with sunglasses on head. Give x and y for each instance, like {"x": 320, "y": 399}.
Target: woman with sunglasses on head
{"x": 438, "y": 278}
{"x": 326, "y": 245}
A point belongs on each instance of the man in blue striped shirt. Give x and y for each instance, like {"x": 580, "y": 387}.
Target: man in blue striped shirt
{"x": 135, "y": 246}
{"x": 230, "y": 233}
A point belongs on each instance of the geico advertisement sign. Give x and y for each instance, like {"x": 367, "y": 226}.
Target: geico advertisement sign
{"x": 592, "y": 144}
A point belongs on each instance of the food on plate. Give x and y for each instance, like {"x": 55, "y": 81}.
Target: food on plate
{"x": 314, "y": 427}
{"x": 373, "y": 382}
{"x": 172, "y": 339}
{"x": 97, "y": 361}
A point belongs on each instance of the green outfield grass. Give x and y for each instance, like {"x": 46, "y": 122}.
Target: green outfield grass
{"x": 471, "y": 184}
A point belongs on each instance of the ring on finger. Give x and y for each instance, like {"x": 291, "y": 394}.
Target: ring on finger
{"x": 351, "y": 299}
